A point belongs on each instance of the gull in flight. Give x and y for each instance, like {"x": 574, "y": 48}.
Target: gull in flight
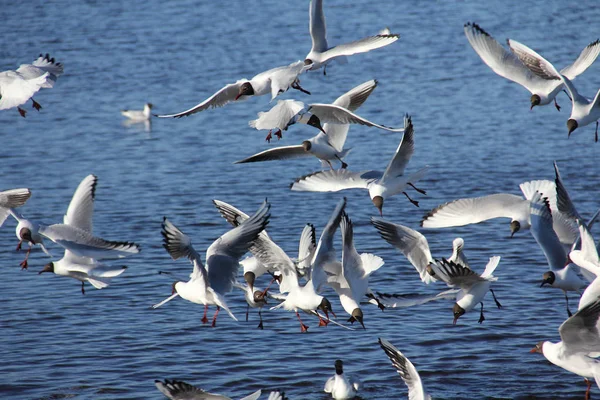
{"x": 17, "y": 87}
{"x": 320, "y": 53}
{"x": 79, "y": 216}
{"x": 341, "y": 386}
{"x": 327, "y": 145}
{"x": 289, "y": 112}
{"x": 381, "y": 185}
{"x": 406, "y": 370}
{"x": 509, "y": 66}
{"x": 274, "y": 81}
{"x": 584, "y": 111}
{"x": 580, "y": 342}
{"x": 180, "y": 390}
{"x": 588, "y": 260}
{"x": 208, "y": 285}
{"x": 350, "y": 279}
{"x": 473, "y": 287}
{"x": 415, "y": 246}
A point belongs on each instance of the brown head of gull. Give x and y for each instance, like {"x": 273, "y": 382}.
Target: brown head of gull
{"x": 572, "y": 125}
{"x": 306, "y": 145}
{"x": 548, "y": 278}
{"x": 535, "y": 101}
{"x": 357, "y": 315}
{"x": 47, "y": 268}
{"x": 458, "y": 311}
{"x": 378, "y": 202}
{"x": 515, "y": 226}
{"x": 250, "y": 277}
{"x": 325, "y": 306}
{"x": 246, "y": 89}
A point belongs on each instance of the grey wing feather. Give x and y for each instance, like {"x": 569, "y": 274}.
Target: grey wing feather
{"x": 404, "y": 152}
{"x": 586, "y": 58}
{"x": 219, "y": 99}
{"x": 355, "y": 97}
{"x": 455, "y": 274}
{"x": 563, "y": 200}
{"x": 179, "y": 390}
{"x": 81, "y": 208}
{"x": 334, "y": 114}
{"x": 317, "y": 26}
{"x": 543, "y": 232}
{"x": 406, "y": 370}
{"x": 14, "y": 198}
{"x": 580, "y": 332}
{"x": 335, "y": 180}
{"x": 278, "y": 153}
{"x": 360, "y": 46}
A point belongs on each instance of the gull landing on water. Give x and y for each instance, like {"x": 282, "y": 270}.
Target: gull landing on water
{"x": 180, "y": 390}
{"x": 327, "y": 145}
{"x": 274, "y": 81}
{"x": 381, "y": 185}
{"x": 320, "y": 53}
{"x": 509, "y": 66}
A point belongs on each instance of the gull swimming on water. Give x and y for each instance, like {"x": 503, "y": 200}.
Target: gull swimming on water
{"x": 320, "y": 53}
{"x": 139, "y": 115}
{"x": 274, "y": 81}
{"x": 508, "y": 65}
{"x": 327, "y": 145}
{"x": 381, "y": 185}
{"x": 406, "y": 370}
{"x": 341, "y": 386}
{"x": 208, "y": 285}
{"x": 16, "y": 87}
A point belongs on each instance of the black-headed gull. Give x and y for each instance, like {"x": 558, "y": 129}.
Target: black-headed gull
{"x": 473, "y": 287}
{"x": 381, "y": 185}
{"x": 507, "y": 65}
{"x": 326, "y": 146}
{"x": 579, "y": 339}
{"x": 406, "y": 370}
{"x": 16, "y": 87}
{"x": 12, "y": 198}
{"x": 208, "y": 285}
{"x": 415, "y": 246}
{"x": 273, "y": 81}
{"x": 139, "y": 115}
{"x": 562, "y": 275}
{"x": 180, "y": 390}
{"x": 474, "y": 210}
{"x": 320, "y": 53}
{"x": 27, "y": 231}
{"x": 584, "y": 111}
{"x": 341, "y": 386}
{"x": 254, "y": 298}
{"x": 289, "y": 112}
{"x": 350, "y": 279}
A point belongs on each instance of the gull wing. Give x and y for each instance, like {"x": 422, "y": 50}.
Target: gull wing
{"x": 563, "y": 200}
{"x": 587, "y": 257}
{"x": 317, "y": 26}
{"x": 410, "y": 242}
{"x": 325, "y": 252}
{"x": 586, "y": 58}
{"x": 334, "y": 114}
{"x": 14, "y": 198}
{"x": 306, "y": 247}
{"x": 81, "y": 208}
{"x": 335, "y": 180}
{"x": 278, "y": 153}
{"x": 404, "y": 152}
{"x": 226, "y": 95}
{"x": 580, "y": 332}
{"x": 455, "y": 274}
{"x": 359, "y": 46}
{"x": 279, "y": 116}
{"x": 178, "y": 245}
{"x": 406, "y": 370}
{"x": 543, "y": 233}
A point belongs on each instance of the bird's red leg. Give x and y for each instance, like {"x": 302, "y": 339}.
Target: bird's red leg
{"x": 19, "y": 245}
{"x": 204, "y": 319}
{"x": 322, "y": 322}
{"x": 269, "y": 137}
{"x": 279, "y": 134}
{"x": 589, "y": 386}
{"x": 214, "y": 321}
{"x": 35, "y": 104}
{"x": 23, "y": 263}
{"x": 303, "y": 328}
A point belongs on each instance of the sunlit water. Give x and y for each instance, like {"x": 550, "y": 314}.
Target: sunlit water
{"x": 472, "y": 127}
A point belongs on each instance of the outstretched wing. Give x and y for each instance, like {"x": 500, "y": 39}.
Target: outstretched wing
{"x": 226, "y": 95}
{"x": 335, "y": 180}
{"x": 81, "y": 208}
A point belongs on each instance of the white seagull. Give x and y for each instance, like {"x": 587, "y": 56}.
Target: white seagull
{"x": 320, "y": 53}
{"x": 580, "y": 340}
{"x": 415, "y": 246}
{"x": 139, "y": 115}
{"x": 473, "y": 287}
{"x": 180, "y": 390}
{"x": 326, "y": 146}
{"x": 273, "y": 81}
{"x": 381, "y": 185}
{"x": 584, "y": 111}
{"x": 208, "y": 285}
{"x": 289, "y": 112}
{"x": 17, "y": 87}
{"x": 341, "y": 386}
{"x": 406, "y": 370}
{"x": 350, "y": 279}
{"x": 12, "y": 198}
{"x": 507, "y": 65}
{"x": 587, "y": 259}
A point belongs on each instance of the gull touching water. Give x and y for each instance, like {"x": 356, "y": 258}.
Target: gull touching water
{"x": 328, "y": 145}
{"x": 381, "y": 185}
{"x": 341, "y": 386}
{"x": 320, "y": 53}
{"x": 584, "y": 111}
{"x": 274, "y": 81}
{"x": 139, "y": 115}
{"x": 180, "y": 390}
{"x": 17, "y": 87}
{"x": 406, "y": 370}
{"x": 208, "y": 285}
{"x": 508, "y": 65}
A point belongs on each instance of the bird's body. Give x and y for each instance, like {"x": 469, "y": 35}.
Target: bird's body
{"x": 139, "y": 115}
{"x": 341, "y": 386}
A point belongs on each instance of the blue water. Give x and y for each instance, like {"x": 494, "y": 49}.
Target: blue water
{"x": 472, "y": 127}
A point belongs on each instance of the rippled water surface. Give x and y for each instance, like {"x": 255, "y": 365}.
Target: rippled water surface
{"x": 472, "y": 127}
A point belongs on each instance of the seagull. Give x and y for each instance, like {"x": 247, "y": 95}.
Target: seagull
{"x": 16, "y": 87}
{"x": 273, "y": 81}
{"x": 289, "y": 112}
{"x": 473, "y": 286}
{"x": 584, "y": 111}
{"x": 502, "y": 205}
{"x": 209, "y": 285}
{"x": 380, "y": 185}
{"x": 508, "y": 65}
{"x": 320, "y": 53}
{"x": 415, "y": 246}
{"x": 341, "y": 386}
{"x": 327, "y": 145}
{"x": 28, "y": 231}
{"x": 137, "y": 115}
{"x": 12, "y": 198}
{"x": 562, "y": 275}
{"x": 254, "y": 298}
{"x": 406, "y": 370}
{"x": 180, "y": 390}
{"x": 587, "y": 259}
{"x": 350, "y": 279}
{"x": 579, "y": 338}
